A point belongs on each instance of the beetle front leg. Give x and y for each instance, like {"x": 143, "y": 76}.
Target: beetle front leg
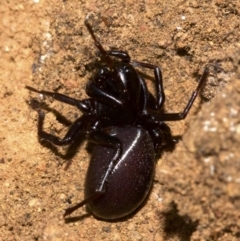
{"x": 86, "y": 105}
{"x": 94, "y": 91}
{"x": 100, "y": 138}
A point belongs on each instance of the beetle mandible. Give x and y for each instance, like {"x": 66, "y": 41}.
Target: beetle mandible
{"x": 126, "y": 123}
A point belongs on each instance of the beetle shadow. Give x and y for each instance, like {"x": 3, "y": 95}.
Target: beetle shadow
{"x": 117, "y": 220}
{"x": 73, "y": 148}
{"x": 77, "y": 218}
{"x": 178, "y": 225}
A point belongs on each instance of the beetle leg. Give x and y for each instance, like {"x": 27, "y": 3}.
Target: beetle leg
{"x": 70, "y": 210}
{"x": 182, "y": 115}
{"x": 94, "y": 91}
{"x": 158, "y": 83}
{"x": 100, "y": 138}
{"x": 104, "y": 139}
{"x": 77, "y": 128}
{"x": 86, "y": 105}
{"x": 148, "y": 98}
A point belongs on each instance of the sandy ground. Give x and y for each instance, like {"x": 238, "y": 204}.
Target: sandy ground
{"x": 44, "y": 44}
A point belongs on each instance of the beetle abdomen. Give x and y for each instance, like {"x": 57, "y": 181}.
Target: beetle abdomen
{"x": 131, "y": 179}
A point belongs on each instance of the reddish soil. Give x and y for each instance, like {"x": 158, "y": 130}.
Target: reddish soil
{"x": 44, "y": 44}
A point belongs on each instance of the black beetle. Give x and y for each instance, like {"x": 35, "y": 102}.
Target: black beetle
{"x": 126, "y": 123}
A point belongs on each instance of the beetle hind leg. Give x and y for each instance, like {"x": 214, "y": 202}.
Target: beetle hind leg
{"x": 181, "y": 115}
{"x": 70, "y": 210}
